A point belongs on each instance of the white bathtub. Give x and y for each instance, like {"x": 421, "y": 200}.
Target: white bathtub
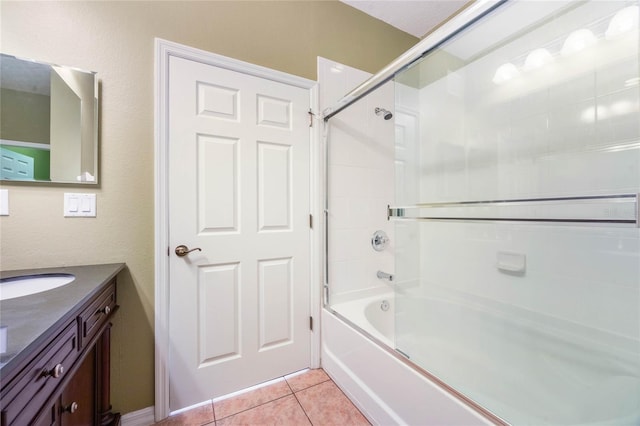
{"x": 529, "y": 370}
{"x": 369, "y": 316}
{"x": 383, "y": 385}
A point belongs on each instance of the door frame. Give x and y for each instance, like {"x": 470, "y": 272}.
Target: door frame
{"x": 164, "y": 50}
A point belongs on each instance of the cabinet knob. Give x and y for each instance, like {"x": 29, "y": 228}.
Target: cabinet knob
{"x": 106, "y": 310}
{"x": 71, "y": 408}
{"x": 55, "y": 372}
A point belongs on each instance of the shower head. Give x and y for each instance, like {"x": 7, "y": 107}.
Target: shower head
{"x": 386, "y": 114}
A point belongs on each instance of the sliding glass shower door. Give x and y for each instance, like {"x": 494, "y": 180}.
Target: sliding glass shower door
{"x": 517, "y": 246}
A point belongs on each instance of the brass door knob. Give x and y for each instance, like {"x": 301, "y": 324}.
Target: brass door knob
{"x": 183, "y": 250}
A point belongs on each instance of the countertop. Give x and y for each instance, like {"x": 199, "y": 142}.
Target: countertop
{"x": 28, "y": 318}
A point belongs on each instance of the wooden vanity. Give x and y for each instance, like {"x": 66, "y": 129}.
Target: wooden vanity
{"x": 57, "y": 364}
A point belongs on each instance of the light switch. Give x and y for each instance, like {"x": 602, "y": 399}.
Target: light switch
{"x": 87, "y": 204}
{"x": 4, "y": 202}
{"x": 73, "y": 204}
{"x": 79, "y": 205}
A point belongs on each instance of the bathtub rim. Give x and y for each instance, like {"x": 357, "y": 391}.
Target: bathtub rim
{"x": 468, "y": 402}
{"x": 363, "y": 302}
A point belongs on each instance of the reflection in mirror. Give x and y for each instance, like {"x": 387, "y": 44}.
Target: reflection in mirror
{"x": 48, "y": 122}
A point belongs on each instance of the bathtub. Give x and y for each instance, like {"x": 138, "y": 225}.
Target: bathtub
{"x": 576, "y": 375}
{"x": 372, "y": 315}
{"x": 388, "y": 390}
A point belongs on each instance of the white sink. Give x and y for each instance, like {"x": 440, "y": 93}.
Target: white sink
{"x": 10, "y": 288}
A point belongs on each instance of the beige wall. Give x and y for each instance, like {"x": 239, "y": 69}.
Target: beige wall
{"x": 116, "y": 40}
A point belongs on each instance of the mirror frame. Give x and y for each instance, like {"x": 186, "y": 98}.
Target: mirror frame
{"x": 88, "y": 129}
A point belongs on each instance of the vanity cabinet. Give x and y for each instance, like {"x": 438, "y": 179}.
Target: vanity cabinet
{"x": 66, "y": 380}
{"x": 78, "y": 399}
{"x": 77, "y": 402}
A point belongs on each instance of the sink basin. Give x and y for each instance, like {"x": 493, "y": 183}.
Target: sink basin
{"x": 10, "y": 288}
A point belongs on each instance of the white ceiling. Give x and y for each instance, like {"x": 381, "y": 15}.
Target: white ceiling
{"x": 416, "y": 17}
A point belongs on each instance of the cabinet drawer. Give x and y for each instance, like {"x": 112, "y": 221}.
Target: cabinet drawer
{"x": 96, "y": 315}
{"x": 24, "y": 398}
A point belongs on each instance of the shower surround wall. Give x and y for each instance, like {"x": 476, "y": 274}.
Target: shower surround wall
{"x": 360, "y": 184}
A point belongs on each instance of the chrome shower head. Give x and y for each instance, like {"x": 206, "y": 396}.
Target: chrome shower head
{"x": 385, "y": 114}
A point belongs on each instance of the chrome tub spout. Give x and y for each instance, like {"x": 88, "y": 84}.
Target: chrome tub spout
{"x": 385, "y": 276}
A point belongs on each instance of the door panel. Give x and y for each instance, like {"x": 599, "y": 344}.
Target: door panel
{"x": 218, "y": 186}
{"x": 218, "y": 305}
{"x": 275, "y": 303}
{"x": 274, "y": 187}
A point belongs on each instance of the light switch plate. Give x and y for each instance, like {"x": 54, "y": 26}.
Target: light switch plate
{"x": 79, "y": 205}
{"x": 4, "y": 202}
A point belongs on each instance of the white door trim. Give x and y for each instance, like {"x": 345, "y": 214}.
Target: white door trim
{"x": 163, "y": 51}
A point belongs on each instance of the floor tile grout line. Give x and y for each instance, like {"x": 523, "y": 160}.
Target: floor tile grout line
{"x": 354, "y": 405}
{"x": 316, "y": 384}
{"x": 292, "y": 392}
{"x": 272, "y": 400}
{"x": 339, "y": 389}
{"x": 310, "y": 386}
{"x": 289, "y": 384}
{"x": 302, "y": 408}
{"x": 266, "y": 402}
{"x": 256, "y": 406}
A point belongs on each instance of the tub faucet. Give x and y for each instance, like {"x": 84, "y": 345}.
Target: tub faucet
{"x": 384, "y": 276}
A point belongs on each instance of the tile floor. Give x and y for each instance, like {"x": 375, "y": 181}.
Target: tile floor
{"x": 306, "y": 398}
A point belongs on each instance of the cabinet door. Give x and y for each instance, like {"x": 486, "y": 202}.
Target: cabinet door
{"x": 78, "y": 399}
{"x": 48, "y": 416}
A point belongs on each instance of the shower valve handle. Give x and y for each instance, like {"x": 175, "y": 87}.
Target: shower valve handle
{"x": 379, "y": 240}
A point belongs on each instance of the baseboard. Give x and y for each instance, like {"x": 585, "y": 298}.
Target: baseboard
{"x": 144, "y": 417}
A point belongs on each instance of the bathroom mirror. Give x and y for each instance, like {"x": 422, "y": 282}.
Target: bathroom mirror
{"x": 48, "y": 122}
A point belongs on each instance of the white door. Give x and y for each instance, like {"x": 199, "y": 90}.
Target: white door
{"x": 239, "y": 191}
{"x": 16, "y": 166}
